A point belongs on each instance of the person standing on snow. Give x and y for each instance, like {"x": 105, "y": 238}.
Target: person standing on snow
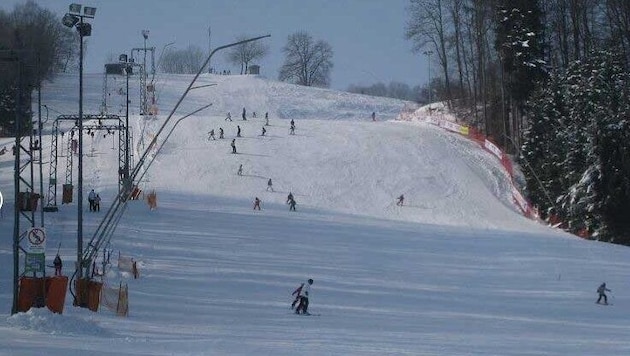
{"x": 97, "y": 203}
{"x": 58, "y": 264}
{"x": 601, "y": 290}
{"x": 240, "y": 170}
{"x": 233, "y": 144}
{"x": 269, "y": 185}
{"x": 91, "y": 197}
{"x": 220, "y": 132}
{"x": 211, "y": 135}
{"x": 292, "y": 204}
{"x": 257, "y": 203}
{"x": 244, "y": 116}
{"x": 304, "y": 297}
{"x": 266, "y": 119}
{"x": 264, "y": 131}
{"x": 400, "y": 201}
{"x": 238, "y": 130}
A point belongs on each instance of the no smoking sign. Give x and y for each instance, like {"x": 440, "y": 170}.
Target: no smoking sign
{"x": 36, "y": 237}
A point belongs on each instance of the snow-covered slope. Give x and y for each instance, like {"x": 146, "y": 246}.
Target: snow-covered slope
{"x": 457, "y": 270}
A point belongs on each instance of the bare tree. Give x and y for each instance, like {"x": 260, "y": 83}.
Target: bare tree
{"x": 185, "y": 61}
{"x": 245, "y": 53}
{"x": 427, "y": 27}
{"x": 307, "y": 62}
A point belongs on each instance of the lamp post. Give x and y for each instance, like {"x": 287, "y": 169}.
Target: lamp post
{"x": 74, "y": 18}
{"x": 429, "y": 53}
{"x": 127, "y": 70}
{"x": 145, "y": 35}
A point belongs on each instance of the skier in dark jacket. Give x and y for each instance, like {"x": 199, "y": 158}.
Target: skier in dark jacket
{"x": 238, "y": 131}
{"x": 233, "y": 144}
{"x": 292, "y": 204}
{"x": 58, "y": 264}
{"x": 601, "y": 290}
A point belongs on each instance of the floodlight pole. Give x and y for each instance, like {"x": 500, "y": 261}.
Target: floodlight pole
{"x": 80, "y": 177}
{"x": 428, "y": 54}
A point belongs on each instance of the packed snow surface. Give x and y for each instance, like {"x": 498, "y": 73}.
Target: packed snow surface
{"x": 457, "y": 270}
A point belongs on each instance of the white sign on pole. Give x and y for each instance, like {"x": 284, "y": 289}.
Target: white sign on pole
{"x": 36, "y": 237}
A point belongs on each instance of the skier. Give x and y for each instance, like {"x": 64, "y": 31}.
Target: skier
{"x": 244, "y": 116}
{"x": 240, "y": 170}
{"x": 220, "y": 132}
{"x": 266, "y": 119}
{"x": 289, "y": 197}
{"x": 400, "y": 201}
{"x": 292, "y": 204}
{"x": 292, "y": 128}
{"x": 304, "y": 296}
{"x": 601, "y": 290}
{"x": 211, "y": 135}
{"x": 91, "y": 197}
{"x": 264, "y": 131}
{"x": 228, "y": 117}
{"x": 257, "y": 203}
{"x": 269, "y": 185}
{"x": 238, "y": 130}
{"x": 233, "y": 144}
{"x": 58, "y": 264}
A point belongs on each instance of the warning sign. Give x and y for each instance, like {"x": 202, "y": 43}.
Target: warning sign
{"x": 36, "y": 237}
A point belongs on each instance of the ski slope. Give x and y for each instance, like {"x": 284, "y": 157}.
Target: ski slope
{"x": 456, "y": 271}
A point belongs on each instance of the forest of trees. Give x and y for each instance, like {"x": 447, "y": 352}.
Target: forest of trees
{"x": 548, "y": 81}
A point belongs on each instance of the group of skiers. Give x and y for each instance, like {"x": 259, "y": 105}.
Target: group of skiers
{"x": 94, "y": 200}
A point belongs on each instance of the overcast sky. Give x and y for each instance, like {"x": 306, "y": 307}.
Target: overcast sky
{"x": 367, "y": 36}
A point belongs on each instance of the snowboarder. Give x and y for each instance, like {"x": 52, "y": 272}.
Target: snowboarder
{"x": 264, "y": 131}
{"x": 97, "y": 203}
{"x": 238, "y": 130}
{"x": 244, "y": 116}
{"x": 228, "y": 117}
{"x": 292, "y": 204}
{"x": 269, "y": 185}
{"x": 233, "y": 144}
{"x": 304, "y": 296}
{"x": 296, "y": 293}
{"x": 221, "y": 132}
{"x": 601, "y": 290}
{"x": 240, "y": 170}
{"x": 257, "y": 203}
{"x": 211, "y": 135}
{"x": 91, "y": 197}
{"x": 58, "y": 264}
{"x": 400, "y": 201}
{"x": 292, "y": 128}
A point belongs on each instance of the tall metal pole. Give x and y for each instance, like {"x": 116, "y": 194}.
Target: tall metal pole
{"x": 80, "y": 178}
{"x": 16, "y": 182}
{"x": 126, "y": 184}
{"x": 209, "y": 47}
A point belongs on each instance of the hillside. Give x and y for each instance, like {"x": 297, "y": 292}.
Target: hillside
{"x": 457, "y": 270}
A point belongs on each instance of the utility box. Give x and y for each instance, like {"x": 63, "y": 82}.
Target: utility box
{"x": 27, "y": 201}
{"x": 66, "y": 197}
{"x": 254, "y": 69}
